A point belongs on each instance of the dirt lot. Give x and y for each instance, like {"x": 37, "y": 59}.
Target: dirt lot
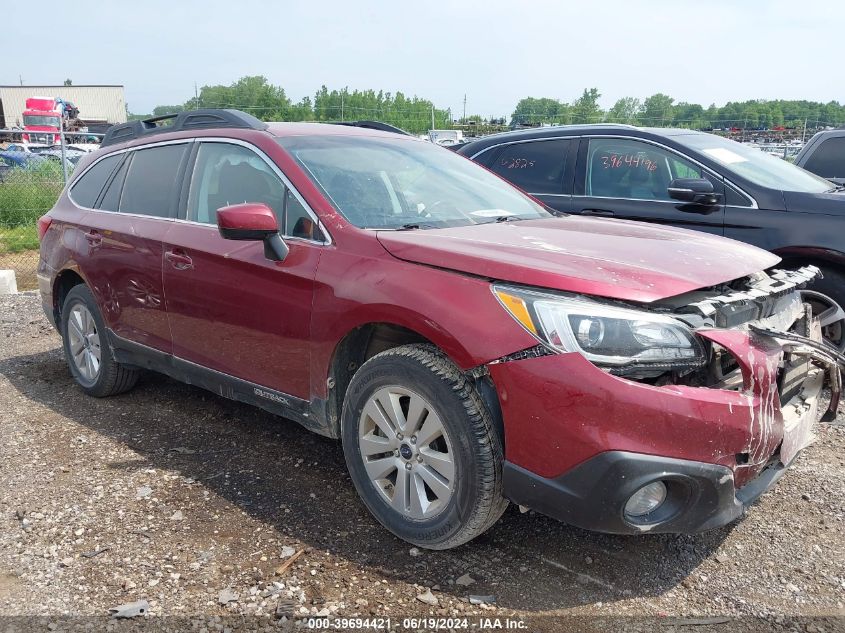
{"x": 172, "y": 494}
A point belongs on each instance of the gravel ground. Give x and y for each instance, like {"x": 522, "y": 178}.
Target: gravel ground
{"x": 229, "y": 517}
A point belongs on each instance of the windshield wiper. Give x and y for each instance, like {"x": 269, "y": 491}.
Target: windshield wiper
{"x": 412, "y": 226}
{"x": 504, "y": 218}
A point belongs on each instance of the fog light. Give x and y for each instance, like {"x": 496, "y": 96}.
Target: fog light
{"x": 646, "y": 500}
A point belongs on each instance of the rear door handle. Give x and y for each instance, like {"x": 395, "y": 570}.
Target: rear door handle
{"x": 94, "y": 238}
{"x": 179, "y": 260}
{"x": 599, "y": 212}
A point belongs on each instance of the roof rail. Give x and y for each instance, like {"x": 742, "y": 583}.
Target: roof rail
{"x": 181, "y": 121}
{"x": 373, "y": 125}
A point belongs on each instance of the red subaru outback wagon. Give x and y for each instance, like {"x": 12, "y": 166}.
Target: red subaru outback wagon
{"x": 466, "y": 346}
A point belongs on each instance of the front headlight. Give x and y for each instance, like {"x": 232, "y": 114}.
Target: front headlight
{"x": 607, "y": 335}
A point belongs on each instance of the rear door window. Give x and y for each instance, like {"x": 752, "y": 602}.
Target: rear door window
{"x": 828, "y": 160}
{"x": 151, "y": 181}
{"x": 86, "y": 190}
{"x": 534, "y": 166}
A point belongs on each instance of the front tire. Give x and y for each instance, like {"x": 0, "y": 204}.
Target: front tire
{"x": 421, "y": 449}
{"x": 87, "y": 350}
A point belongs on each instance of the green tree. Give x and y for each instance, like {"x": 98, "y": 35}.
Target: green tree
{"x": 534, "y": 111}
{"x": 625, "y": 110}
{"x": 167, "y": 109}
{"x": 252, "y": 94}
{"x": 586, "y": 108}
{"x": 657, "y": 110}
{"x": 689, "y": 115}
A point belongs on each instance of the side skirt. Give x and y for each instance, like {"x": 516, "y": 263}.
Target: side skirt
{"x": 310, "y": 415}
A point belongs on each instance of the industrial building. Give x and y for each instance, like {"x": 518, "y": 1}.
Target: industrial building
{"x": 96, "y": 103}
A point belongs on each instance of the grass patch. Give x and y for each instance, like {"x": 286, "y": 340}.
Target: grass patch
{"x": 27, "y": 193}
{"x": 17, "y": 239}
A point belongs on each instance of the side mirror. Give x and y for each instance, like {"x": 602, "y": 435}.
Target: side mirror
{"x": 693, "y": 191}
{"x": 252, "y": 221}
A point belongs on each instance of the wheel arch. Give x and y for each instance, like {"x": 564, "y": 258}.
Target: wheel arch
{"x": 803, "y": 255}
{"x": 64, "y": 282}
{"x": 368, "y": 339}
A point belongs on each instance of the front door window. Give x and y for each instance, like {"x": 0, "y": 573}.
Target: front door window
{"x": 623, "y": 168}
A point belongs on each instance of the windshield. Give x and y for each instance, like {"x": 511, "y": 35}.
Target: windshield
{"x": 35, "y": 119}
{"x": 755, "y": 165}
{"x": 402, "y": 183}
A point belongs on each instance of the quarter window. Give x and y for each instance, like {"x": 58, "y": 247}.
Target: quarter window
{"x": 734, "y": 198}
{"x": 298, "y": 222}
{"x": 534, "y": 167}
{"x": 86, "y": 190}
{"x": 152, "y": 180}
{"x": 621, "y": 168}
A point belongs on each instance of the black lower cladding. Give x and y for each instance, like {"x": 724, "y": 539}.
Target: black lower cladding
{"x": 592, "y": 495}
{"x": 311, "y": 415}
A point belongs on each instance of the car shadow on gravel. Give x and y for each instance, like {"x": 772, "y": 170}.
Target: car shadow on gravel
{"x": 296, "y": 482}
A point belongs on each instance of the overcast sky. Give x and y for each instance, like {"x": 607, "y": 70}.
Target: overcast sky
{"x": 494, "y": 52}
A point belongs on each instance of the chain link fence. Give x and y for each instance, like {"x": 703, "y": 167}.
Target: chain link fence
{"x": 31, "y": 178}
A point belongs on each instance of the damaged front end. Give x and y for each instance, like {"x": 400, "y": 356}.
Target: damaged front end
{"x": 765, "y": 342}
{"x": 711, "y": 393}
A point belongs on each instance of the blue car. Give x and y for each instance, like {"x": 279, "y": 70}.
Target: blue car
{"x": 16, "y": 157}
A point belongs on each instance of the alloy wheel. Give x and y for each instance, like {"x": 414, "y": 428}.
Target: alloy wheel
{"x": 407, "y": 452}
{"x": 84, "y": 342}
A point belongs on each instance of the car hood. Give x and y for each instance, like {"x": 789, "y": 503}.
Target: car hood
{"x": 617, "y": 259}
{"x": 827, "y": 203}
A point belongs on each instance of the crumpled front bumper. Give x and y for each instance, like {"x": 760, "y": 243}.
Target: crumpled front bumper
{"x": 580, "y": 441}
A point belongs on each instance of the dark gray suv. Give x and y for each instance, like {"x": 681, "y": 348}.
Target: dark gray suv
{"x": 689, "y": 180}
{"x": 824, "y": 155}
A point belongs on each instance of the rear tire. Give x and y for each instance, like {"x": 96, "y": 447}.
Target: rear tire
{"x": 421, "y": 448}
{"x": 833, "y": 286}
{"x": 87, "y": 350}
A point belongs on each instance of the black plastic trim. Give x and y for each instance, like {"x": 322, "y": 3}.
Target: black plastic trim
{"x": 204, "y": 119}
{"x": 373, "y": 125}
{"x": 276, "y": 402}
{"x": 593, "y": 494}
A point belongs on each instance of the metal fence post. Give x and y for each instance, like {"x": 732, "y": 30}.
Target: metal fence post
{"x": 62, "y": 137}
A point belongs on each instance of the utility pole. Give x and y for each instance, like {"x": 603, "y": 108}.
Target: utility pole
{"x": 341, "y": 103}
{"x": 196, "y": 97}
{"x": 804, "y": 133}
{"x": 20, "y": 78}
{"x": 465, "y": 109}
{"x": 432, "y": 116}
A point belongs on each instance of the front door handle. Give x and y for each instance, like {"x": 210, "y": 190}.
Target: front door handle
{"x": 94, "y": 237}
{"x": 179, "y": 259}
{"x": 598, "y": 212}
